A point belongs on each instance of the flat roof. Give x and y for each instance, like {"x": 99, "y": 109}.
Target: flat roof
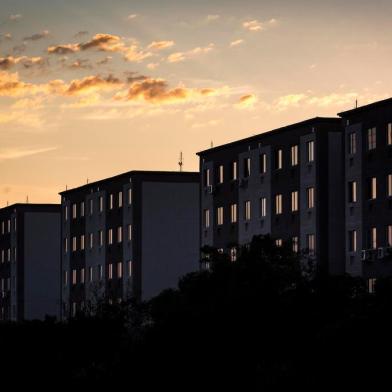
{"x": 277, "y": 130}
{"x": 146, "y": 173}
{"x": 31, "y": 206}
{"x": 369, "y": 106}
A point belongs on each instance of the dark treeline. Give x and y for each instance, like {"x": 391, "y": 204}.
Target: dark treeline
{"x": 266, "y": 319}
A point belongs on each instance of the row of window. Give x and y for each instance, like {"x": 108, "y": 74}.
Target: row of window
{"x": 310, "y": 203}
{"x": 114, "y": 270}
{"x": 371, "y": 189}
{"x": 6, "y": 226}
{"x": 8, "y": 255}
{"x": 111, "y": 205}
{"x": 372, "y": 241}
{"x": 263, "y": 164}
{"x": 80, "y": 243}
{"x": 371, "y": 139}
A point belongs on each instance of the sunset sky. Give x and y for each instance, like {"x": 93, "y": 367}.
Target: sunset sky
{"x": 89, "y": 89}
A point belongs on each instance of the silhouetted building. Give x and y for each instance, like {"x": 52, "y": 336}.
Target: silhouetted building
{"x": 30, "y": 261}
{"x": 287, "y": 183}
{"x": 131, "y": 235}
{"x": 368, "y": 190}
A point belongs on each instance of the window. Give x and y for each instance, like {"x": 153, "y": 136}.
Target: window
{"x": 82, "y": 242}
{"x": 263, "y": 163}
{"x": 310, "y": 151}
{"x": 65, "y": 278}
{"x": 110, "y": 236}
{"x": 111, "y": 201}
{"x": 74, "y": 276}
{"x": 279, "y": 159}
{"x": 129, "y": 196}
{"x": 120, "y": 199}
{"x": 65, "y": 217}
{"x": 389, "y": 235}
{"x": 100, "y": 272}
{"x": 129, "y": 268}
{"x": 74, "y": 211}
{"x": 371, "y": 285}
{"x": 372, "y": 188}
{"x": 90, "y": 274}
{"x": 91, "y": 240}
{"x": 389, "y": 134}
{"x": 9, "y": 225}
{"x": 219, "y": 214}
{"x": 389, "y": 185}
{"x": 119, "y": 234}
{"x": 91, "y": 206}
{"x": 110, "y": 274}
{"x": 129, "y": 232}
{"x": 119, "y": 270}
{"x": 352, "y": 241}
{"x": 294, "y": 201}
{"x": 311, "y": 244}
{"x": 279, "y": 242}
{"x": 9, "y": 254}
{"x": 247, "y": 210}
{"x": 233, "y": 213}
{"x": 82, "y": 208}
{"x": 352, "y": 192}
{"x": 82, "y": 275}
{"x": 66, "y": 245}
{"x": 278, "y": 204}
{"x": 246, "y": 167}
{"x": 100, "y": 203}
{"x": 310, "y": 197}
{"x": 100, "y": 236}
{"x": 234, "y": 170}
{"x": 207, "y": 180}
{"x": 74, "y": 244}
{"x": 295, "y": 244}
{"x": 220, "y": 174}
{"x": 373, "y": 238}
{"x": 233, "y": 254}
{"x": 372, "y": 138}
{"x": 206, "y": 218}
{"x": 352, "y": 143}
{"x": 294, "y": 155}
{"x": 263, "y": 207}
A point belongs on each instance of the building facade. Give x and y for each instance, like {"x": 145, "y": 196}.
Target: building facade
{"x": 129, "y": 236}
{"x": 30, "y": 261}
{"x": 287, "y": 183}
{"x": 368, "y": 190}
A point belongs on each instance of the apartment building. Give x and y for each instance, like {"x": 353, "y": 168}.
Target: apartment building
{"x": 368, "y": 190}
{"x": 128, "y": 236}
{"x": 29, "y": 261}
{"x": 287, "y": 183}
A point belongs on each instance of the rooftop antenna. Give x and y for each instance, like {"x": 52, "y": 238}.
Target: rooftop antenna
{"x": 180, "y": 162}
{"x": 27, "y": 199}
{"x": 87, "y": 180}
{"x": 356, "y": 103}
{"x": 66, "y": 187}
{"x": 212, "y": 144}
{"x": 7, "y": 203}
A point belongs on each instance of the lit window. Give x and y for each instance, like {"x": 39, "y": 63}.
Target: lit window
{"x": 206, "y": 218}
{"x": 371, "y": 285}
{"x": 119, "y": 270}
{"x": 389, "y": 187}
{"x": 372, "y": 138}
{"x": 130, "y": 196}
{"x": 129, "y": 268}
{"x": 247, "y": 210}
{"x": 207, "y": 179}
{"x": 352, "y": 246}
{"x": 279, "y": 159}
{"x": 295, "y": 244}
{"x": 74, "y": 244}
{"x": 82, "y": 208}
{"x": 294, "y": 201}
{"x": 220, "y": 173}
{"x": 129, "y": 232}
{"x": 100, "y": 203}
{"x": 110, "y": 276}
{"x": 263, "y": 163}
{"x": 263, "y": 207}
{"x": 110, "y": 236}
{"x": 234, "y": 170}
{"x": 220, "y": 215}
{"x": 311, "y": 244}
{"x": 373, "y": 238}
{"x": 352, "y": 143}
{"x": 91, "y": 240}
{"x": 233, "y": 213}
{"x": 74, "y": 211}
{"x": 82, "y": 275}
{"x": 82, "y": 242}
{"x": 310, "y": 151}
{"x": 372, "y": 184}
{"x": 233, "y": 254}
{"x": 352, "y": 192}
{"x": 389, "y": 235}
{"x": 389, "y": 134}
{"x": 294, "y": 155}
{"x": 120, "y": 199}
{"x": 278, "y": 204}
{"x": 246, "y": 167}
{"x": 119, "y": 234}
{"x": 74, "y": 276}
{"x": 310, "y": 197}
{"x": 111, "y": 201}
{"x": 278, "y": 242}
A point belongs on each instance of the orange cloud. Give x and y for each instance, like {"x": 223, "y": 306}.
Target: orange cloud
{"x": 246, "y": 101}
{"x": 159, "y": 45}
{"x": 182, "y": 56}
{"x": 27, "y": 62}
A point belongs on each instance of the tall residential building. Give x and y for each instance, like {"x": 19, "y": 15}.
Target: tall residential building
{"x": 131, "y": 235}
{"x": 30, "y": 261}
{"x": 287, "y": 183}
{"x": 368, "y": 190}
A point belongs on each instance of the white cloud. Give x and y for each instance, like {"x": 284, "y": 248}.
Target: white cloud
{"x": 236, "y": 42}
{"x": 16, "y": 153}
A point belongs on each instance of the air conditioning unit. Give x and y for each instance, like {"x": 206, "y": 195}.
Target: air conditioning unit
{"x": 364, "y": 255}
{"x": 380, "y": 253}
